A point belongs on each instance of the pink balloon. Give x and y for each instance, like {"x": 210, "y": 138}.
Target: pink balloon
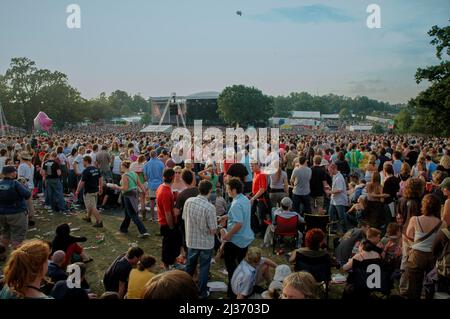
{"x": 42, "y": 122}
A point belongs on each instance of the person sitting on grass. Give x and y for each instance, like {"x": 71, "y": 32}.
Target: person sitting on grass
{"x": 392, "y": 248}
{"x": 67, "y": 243}
{"x": 244, "y": 280}
{"x": 356, "y": 212}
{"x": 62, "y": 291}
{"x": 117, "y": 275}
{"x": 299, "y": 285}
{"x": 56, "y": 269}
{"x": 140, "y": 276}
{"x": 25, "y": 270}
{"x": 170, "y": 285}
{"x": 276, "y": 286}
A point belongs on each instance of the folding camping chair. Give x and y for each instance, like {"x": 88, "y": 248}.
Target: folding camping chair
{"x": 285, "y": 228}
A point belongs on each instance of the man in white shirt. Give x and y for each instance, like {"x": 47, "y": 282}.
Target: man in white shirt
{"x": 339, "y": 198}
{"x": 200, "y": 221}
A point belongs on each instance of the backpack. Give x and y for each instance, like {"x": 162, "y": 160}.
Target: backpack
{"x": 443, "y": 262}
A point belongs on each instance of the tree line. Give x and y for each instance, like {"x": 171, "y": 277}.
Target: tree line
{"x": 25, "y": 90}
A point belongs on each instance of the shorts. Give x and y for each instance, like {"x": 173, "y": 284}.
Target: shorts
{"x": 152, "y": 193}
{"x": 90, "y": 200}
{"x": 14, "y": 227}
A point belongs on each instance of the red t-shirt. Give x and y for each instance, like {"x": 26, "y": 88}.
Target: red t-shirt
{"x": 164, "y": 202}
{"x": 259, "y": 181}
{"x": 226, "y": 166}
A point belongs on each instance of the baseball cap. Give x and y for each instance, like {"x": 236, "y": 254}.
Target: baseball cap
{"x": 286, "y": 201}
{"x": 445, "y": 183}
{"x": 281, "y": 272}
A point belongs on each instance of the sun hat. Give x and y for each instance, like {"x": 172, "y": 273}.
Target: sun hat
{"x": 281, "y": 272}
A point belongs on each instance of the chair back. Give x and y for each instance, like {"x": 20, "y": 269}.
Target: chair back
{"x": 286, "y": 226}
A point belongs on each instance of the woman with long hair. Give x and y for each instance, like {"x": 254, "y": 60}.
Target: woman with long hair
{"x": 25, "y": 270}
{"x": 370, "y": 168}
{"x": 421, "y": 232}
{"x": 279, "y": 186}
{"x": 408, "y": 206}
{"x": 178, "y": 185}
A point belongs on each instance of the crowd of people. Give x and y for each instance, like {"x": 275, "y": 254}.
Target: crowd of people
{"x": 384, "y": 199}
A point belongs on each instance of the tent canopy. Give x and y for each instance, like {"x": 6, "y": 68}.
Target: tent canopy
{"x": 157, "y": 129}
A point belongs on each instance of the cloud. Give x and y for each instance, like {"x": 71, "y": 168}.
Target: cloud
{"x": 315, "y": 13}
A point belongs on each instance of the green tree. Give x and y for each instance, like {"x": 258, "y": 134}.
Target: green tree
{"x": 432, "y": 106}
{"x": 403, "y": 121}
{"x": 146, "y": 118}
{"x": 244, "y": 105}
{"x": 345, "y": 114}
{"x": 121, "y": 103}
{"x": 30, "y": 90}
{"x": 139, "y": 104}
{"x": 377, "y": 129}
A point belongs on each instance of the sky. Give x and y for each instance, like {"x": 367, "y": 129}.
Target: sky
{"x": 155, "y": 47}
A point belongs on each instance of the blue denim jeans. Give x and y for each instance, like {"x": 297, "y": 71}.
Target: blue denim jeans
{"x": 55, "y": 194}
{"x": 204, "y": 257}
{"x": 131, "y": 214}
{"x": 301, "y": 200}
{"x": 338, "y": 213}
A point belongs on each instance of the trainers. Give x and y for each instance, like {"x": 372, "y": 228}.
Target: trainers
{"x": 144, "y": 235}
{"x": 98, "y": 225}
{"x": 86, "y": 219}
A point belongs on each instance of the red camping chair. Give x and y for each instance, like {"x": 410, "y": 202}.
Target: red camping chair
{"x": 285, "y": 227}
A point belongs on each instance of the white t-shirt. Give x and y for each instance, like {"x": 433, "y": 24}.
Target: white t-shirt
{"x": 116, "y": 165}
{"x": 339, "y": 184}
{"x": 62, "y": 159}
{"x": 79, "y": 161}
{"x": 26, "y": 171}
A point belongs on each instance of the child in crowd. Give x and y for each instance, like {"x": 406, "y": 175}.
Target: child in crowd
{"x": 276, "y": 286}
{"x": 252, "y": 269}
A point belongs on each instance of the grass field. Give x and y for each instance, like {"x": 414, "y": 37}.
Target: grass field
{"x": 114, "y": 243}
